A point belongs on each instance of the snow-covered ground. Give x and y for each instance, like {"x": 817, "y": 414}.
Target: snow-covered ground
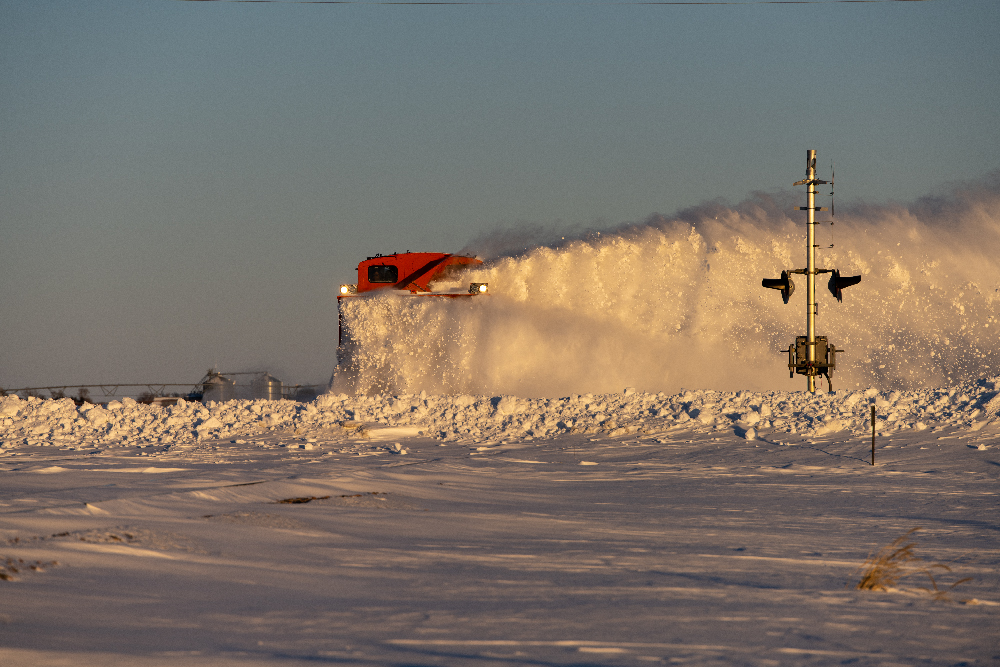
{"x": 428, "y": 512}
{"x": 630, "y": 528}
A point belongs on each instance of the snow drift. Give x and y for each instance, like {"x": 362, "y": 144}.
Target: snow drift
{"x": 676, "y": 303}
{"x": 476, "y": 419}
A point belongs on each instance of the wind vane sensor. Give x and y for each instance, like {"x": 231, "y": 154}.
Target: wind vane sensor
{"x": 812, "y": 355}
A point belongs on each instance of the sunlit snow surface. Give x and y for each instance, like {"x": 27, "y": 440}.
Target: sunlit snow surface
{"x": 677, "y": 303}
{"x": 706, "y": 528}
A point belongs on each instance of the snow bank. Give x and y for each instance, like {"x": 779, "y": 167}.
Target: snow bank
{"x": 38, "y": 421}
{"x": 677, "y": 303}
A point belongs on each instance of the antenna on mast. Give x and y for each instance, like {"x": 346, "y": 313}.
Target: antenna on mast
{"x": 812, "y": 355}
{"x": 833, "y": 177}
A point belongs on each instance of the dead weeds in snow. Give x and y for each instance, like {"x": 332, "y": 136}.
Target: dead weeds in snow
{"x": 132, "y": 536}
{"x": 368, "y": 500}
{"x": 896, "y": 561}
{"x": 10, "y": 567}
{"x": 309, "y": 499}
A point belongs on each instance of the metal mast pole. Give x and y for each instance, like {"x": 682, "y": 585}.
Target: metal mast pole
{"x": 811, "y": 270}
{"x": 803, "y": 356}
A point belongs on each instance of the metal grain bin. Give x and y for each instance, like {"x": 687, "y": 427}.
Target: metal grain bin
{"x": 217, "y": 388}
{"x": 267, "y": 387}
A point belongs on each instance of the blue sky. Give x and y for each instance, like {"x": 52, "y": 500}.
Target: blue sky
{"x": 184, "y": 184}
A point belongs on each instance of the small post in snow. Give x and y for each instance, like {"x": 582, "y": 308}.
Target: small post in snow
{"x": 873, "y": 435}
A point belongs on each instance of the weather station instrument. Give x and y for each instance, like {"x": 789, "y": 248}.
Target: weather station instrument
{"x": 812, "y": 355}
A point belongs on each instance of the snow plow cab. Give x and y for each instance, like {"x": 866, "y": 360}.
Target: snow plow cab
{"x": 415, "y": 272}
{"x": 421, "y": 274}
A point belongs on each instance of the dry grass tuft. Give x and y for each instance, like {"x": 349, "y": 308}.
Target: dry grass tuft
{"x": 299, "y": 501}
{"x": 12, "y": 566}
{"x": 309, "y": 499}
{"x": 887, "y": 566}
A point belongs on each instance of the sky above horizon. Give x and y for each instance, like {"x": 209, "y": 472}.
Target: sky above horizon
{"x": 185, "y": 184}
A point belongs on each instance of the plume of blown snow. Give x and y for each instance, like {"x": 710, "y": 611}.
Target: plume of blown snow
{"x": 676, "y": 302}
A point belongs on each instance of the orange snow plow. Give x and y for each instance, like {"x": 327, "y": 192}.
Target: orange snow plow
{"x": 432, "y": 274}
{"x": 412, "y": 271}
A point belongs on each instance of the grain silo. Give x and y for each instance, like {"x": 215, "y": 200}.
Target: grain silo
{"x": 217, "y": 388}
{"x": 266, "y": 386}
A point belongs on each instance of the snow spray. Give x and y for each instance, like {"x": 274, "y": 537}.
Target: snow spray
{"x": 676, "y": 302}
